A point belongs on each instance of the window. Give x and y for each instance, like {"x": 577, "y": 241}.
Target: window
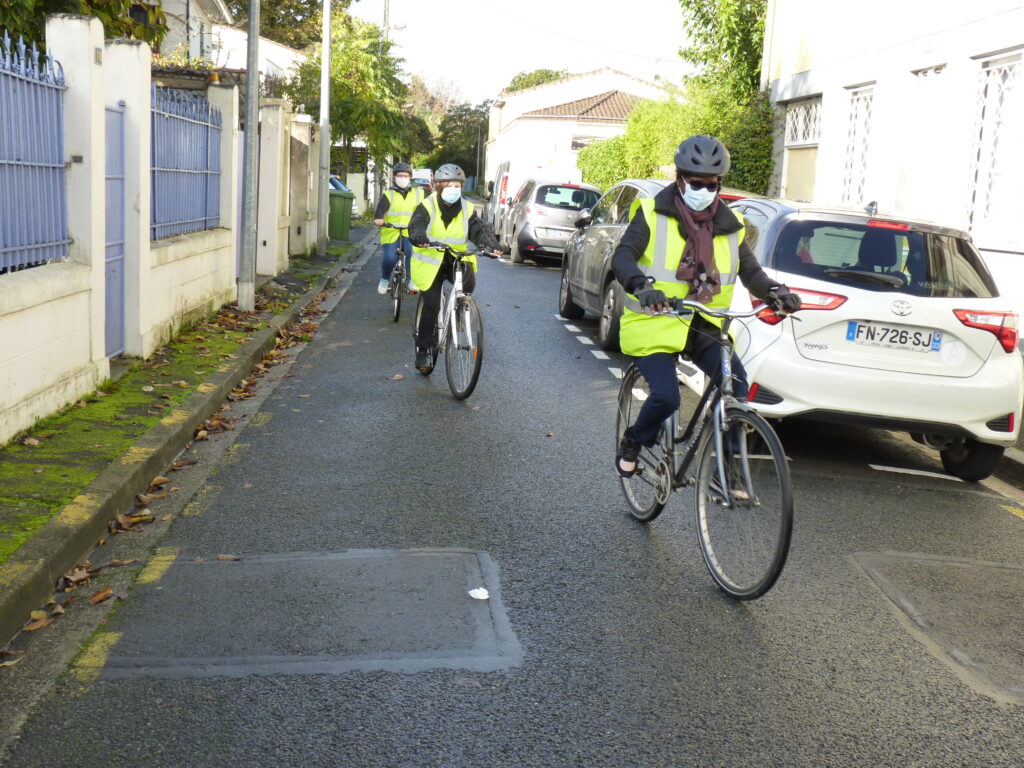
{"x": 803, "y": 123}
{"x": 997, "y": 172}
{"x": 753, "y": 221}
{"x": 622, "y": 205}
{"x": 916, "y": 263}
{"x": 602, "y": 212}
{"x": 858, "y": 136}
{"x": 573, "y": 198}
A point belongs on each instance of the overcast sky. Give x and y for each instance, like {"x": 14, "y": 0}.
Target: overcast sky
{"x": 482, "y": 44}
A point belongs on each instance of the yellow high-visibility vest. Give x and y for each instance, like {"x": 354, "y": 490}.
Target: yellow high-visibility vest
{"x": 641, "y": 334}
{"x": 426, "y": 262}
{"x": 400, "y": 208}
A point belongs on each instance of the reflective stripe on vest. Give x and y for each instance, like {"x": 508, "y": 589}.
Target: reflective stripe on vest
{"x": 399, "y": 212}
{"x": 437, "y": 232}
{"x": 663, "y": 274}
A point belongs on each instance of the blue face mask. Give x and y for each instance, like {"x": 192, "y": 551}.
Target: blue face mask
{"x": 451, "y": 194}
{"x": 697, "y": 199}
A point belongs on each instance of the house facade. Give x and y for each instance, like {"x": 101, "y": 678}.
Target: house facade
{"x": 191, "y": 23}
{"x": 546, "y": 125}
{"x": 918, "y": 105}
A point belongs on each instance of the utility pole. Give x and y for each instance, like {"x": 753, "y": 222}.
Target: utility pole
{"x": 479, "y": 177}
{"x": 325, "y": 132}
{"x": 247, "y": 261}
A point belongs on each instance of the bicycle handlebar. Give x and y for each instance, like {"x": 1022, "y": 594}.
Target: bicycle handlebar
{"x": 688, "y": 307}
{"x": 386, "y": 225}
{"x": 461, "y": 254}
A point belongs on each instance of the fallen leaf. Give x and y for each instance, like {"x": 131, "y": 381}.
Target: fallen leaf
{"x": 398, "y": 377}
{"x": 167, "y": 517}
{"x": 135, "y": 519}
{"x": 101, "y": 542}
{"x": 36, "y": 615}
{"x": 182, "y": 463}
{"x": 104, "y": 594}
{"x": 183, "y": 384}
{"x": 30, "y": 441}
{"x": 550, "y": 434}
{"x": 141, "y": 500}
{"x": 479, "y": 593}
{"x": 101, "y": 394}
{"x": 517, "y": 306}
{"x": 147, "y": 388}
{"x": 228, "y": 557}
{"x": 161, "y": 480}
{"x": 296, "y": 410}
{"x": 11, "y": 662}
{"x": 58, "y": 610}
{"x": 37, "y": 470}
{"x": 305, "y": 395}
{"x": 172, "y": 489}
{"x": 119, "y": 563}
{"x": 201, "y": 434}
{"x": 32, "y": 626}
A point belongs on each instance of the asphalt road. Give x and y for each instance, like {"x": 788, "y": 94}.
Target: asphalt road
{"x": 364, "y": 509}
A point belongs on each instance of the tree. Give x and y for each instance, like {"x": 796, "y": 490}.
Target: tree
{"x": 295, "y": 23}
{"x": 432, "y": 102}
{"x": 726, "y": 38}
{"x": 463, "y": 129}
{"x": 537, "y": 77}
{"x": 120, "y": 18}
{"x": 366, "y": 94}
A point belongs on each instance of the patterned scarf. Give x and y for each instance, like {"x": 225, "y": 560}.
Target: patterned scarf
{"x": 697, "y": 267}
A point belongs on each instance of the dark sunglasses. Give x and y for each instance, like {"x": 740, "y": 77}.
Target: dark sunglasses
{"x": 697, "y": 185}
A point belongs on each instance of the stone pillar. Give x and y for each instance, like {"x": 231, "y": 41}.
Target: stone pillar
{"x": 225, "y": 98}
{"x": 272, "y": 211}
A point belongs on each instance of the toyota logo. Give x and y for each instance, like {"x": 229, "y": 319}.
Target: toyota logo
{"x": 901, "y": 307}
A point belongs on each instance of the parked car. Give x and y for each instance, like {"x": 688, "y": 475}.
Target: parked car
{"x": 423, "y": 184}
{"x": 587, "y": 279}
{"x": 903, "y": 328}
{"x": 542, "y": 217}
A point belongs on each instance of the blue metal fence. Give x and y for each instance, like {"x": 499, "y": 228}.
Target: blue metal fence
{"x": 186, "y": 163}
{"x": 33, "y": 198}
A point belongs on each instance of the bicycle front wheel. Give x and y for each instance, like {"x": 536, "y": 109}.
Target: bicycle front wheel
{"x": 464, "y": 350}
{"x": 647, "y": 491}
{"x": 397, "y": 291}
{"x": 744, "y": 524}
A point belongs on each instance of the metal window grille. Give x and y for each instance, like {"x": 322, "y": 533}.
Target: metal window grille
{"x": 33, "y": 201}
{"x": 857, "y": 139}
{"x": 185, "y": 164}
{"x": 997, "y": 162}
{"x": 803, "y": 123}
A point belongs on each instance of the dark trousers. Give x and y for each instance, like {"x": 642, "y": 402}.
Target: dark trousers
{"x": 659, "y": 370}
{"x": 431, "y": 298}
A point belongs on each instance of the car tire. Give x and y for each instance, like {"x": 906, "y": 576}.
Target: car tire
{"x": 611, "y": 314}
{"x": 567, "y": 308}
{"x": 514, "y": 254}
{"x": 970, "y": 459}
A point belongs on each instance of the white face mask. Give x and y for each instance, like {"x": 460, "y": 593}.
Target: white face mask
{"x": 402, "y": 181}
{"x": 451, "y": 194}
{"x": 697, "y": 199}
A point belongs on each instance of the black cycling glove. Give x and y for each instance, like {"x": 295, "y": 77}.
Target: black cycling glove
{"x": 781, "y": 299}
{"x": 650, "y": 296}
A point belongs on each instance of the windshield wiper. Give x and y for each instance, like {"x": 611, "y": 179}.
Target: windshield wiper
{"x": 868, "y": 277}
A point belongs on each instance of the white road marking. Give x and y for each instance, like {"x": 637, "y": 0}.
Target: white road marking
{"x": 616, "y": 372}
{"x": 599, "y": 354}
{"x": 639, "y": 394}
{"x": 573, "y": 328}
{"x": 585, "y": 340}
{"x": 559, "y": 317}
{"x": 919, "y": 472}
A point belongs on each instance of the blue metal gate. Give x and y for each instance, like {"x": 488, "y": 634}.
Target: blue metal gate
{"x": 115, "y": 231}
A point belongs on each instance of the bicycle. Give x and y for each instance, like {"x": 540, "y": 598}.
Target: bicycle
{"x": 398, "y": 279}
{"x": 734, "y": 460}
{"x": 459, "y": 331}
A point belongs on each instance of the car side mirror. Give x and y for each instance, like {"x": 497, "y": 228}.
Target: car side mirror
{"x": 584, "y": 219}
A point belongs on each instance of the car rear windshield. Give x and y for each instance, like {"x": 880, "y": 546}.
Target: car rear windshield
{"x": 572, "y": 198}
{"x": 917, "y": 263}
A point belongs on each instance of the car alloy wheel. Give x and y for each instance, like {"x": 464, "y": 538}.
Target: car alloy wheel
{"x": 608, "y": 324}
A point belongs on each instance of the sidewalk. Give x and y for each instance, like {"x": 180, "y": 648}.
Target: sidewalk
{"x": 64, "y": 482}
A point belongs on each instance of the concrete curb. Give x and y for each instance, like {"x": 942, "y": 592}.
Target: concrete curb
{"x": 29, "y": 576}
{"x": 1011, "y": 467}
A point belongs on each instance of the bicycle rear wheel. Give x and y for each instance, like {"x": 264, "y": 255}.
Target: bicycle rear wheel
{"x": 647, "y": 491}
{"x": 397, "y": 289}
{"x": 464, "y": 350}
{"x": 744, "y": 528}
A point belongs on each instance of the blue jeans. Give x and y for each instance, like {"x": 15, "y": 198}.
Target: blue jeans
{"x": 659, "y": 370}
{"x": 389, "y": 257}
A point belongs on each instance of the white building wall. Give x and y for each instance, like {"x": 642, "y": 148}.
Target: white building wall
{"x": 924, "y": 127}
{"x": 229, "y": 50}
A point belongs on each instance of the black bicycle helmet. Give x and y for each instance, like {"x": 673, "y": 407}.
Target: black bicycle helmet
{"x": 449, "y": 172}
{"x": 702, "y": 155}
{"x": 402, "y": 168}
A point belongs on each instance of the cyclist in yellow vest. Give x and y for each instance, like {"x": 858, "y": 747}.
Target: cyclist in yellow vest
{"x": 682, "y": 243}
{"x": 443, "y": 217}
{"x": 395, "y": 207}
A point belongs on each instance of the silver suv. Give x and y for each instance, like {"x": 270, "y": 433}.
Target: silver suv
{"x": 543, "y": 216}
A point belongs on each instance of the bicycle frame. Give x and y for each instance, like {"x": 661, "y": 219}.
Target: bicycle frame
{"x": 446, "y": 317}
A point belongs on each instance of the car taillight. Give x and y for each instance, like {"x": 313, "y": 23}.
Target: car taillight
{"x": 536, "y": 209}
{"x": 809, "y": 300}
{"x": 880, "y": 224}
{"x": 1002, "y": 324}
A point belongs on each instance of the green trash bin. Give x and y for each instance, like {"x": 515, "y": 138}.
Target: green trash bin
{"x": 340, "y": 220}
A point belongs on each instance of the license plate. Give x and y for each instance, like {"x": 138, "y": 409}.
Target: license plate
{"x": 558, "y": 234}
{"x": 893, "y": 336}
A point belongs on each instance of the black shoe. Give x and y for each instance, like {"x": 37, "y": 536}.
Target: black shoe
{"x": 629, "y": 451}
{"x": 423, "y": 359}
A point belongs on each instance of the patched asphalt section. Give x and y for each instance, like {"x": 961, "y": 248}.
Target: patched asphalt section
{"x": 373, "y": 610}
{"x": 966, "y": 612}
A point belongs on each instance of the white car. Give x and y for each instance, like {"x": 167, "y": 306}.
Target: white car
{"x": 902, "y": 328}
